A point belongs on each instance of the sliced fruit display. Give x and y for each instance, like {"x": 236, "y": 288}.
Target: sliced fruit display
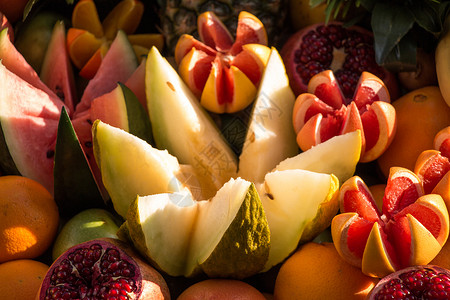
{"x": 270, "y": 137}
{"x": 416, "y": 282}
{"x": 56, "y": 70}
{"x": 323, "y": 112}
{"x": 132, "y": 168}
{"x": 223, "y": 72}
{"x": 202, "y": 238}
{"x": 410, "y": 228}
{"x": 183, "y": 127}
{"x": 347, "y": 51}
{"x": 89, "y": 38}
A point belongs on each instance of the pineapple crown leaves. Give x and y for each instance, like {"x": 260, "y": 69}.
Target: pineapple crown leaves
{"x": 398, "y": 26}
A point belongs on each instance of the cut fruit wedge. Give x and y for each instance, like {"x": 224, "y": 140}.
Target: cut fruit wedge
{"x": 323, "y": 159}
{"x": 85, "y": 16}
{"x": 194, "y": 138}
{"x": 82, "y": 46}
{"x": 202, "y": 238}
{"x": 291, "y": 200}
{"x": 270, "y": 138}
{"x": 125, "y": 16}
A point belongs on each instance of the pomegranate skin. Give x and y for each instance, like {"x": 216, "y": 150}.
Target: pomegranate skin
{"x": 346, "y": 57}
{"x": 149, "y": 283}
{"x": 416, "y": 282}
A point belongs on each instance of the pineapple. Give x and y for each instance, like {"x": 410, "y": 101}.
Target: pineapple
{"x": 180, "y": 16}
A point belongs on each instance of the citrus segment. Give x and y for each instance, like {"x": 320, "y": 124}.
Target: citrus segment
{"x": 85, "y": 16}
{"x": 213, "y": 32}
{"x": 82, "y": 46}
{"x": 147, "y": 40}
{"x": 126, "y": 16}
{"x": 249, "y": 30}
{"x": 91, "y": 66}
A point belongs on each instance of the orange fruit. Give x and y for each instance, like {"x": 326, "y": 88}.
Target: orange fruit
{"x": 21, "y": 279}
{"x": 442, "y": 259}
{"x": 210, "y": 289}
{"x": 421, "y": 114}
{"x": 316, "y": 271}
{"x": 29, "y": 218}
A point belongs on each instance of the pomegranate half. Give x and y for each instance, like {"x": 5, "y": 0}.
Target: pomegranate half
{"x": 347, "y": 51}
{"x": 416, "y": 282}
{"x": 102, "y": 269}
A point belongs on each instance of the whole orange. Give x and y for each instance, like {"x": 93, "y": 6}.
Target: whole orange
{"x": 420, "y": 115}
{"x": 29, "y": 218}
{"x": 21, "y": 279}
{"x": 316, "y": 271}
{"x": 210, "y": 289}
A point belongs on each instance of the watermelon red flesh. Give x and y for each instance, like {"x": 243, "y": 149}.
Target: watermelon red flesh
{"x": 118, "y": 65}
{"x": 136, "y": 83}
{"x": 29, "y": 120}
{"x": 56, "y": 71}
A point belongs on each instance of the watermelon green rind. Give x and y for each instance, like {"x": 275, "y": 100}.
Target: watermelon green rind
{"x": 75, "y": 188}
{"x": 138, "y": 118}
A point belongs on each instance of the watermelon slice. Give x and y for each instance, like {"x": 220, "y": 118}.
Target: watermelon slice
{"x": 118, "y": 65}
{"x": 56, "y": 71}
{"x": 29, "y": 121}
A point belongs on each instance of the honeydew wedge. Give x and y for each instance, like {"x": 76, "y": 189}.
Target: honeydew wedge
{"x": 338, "y": 155}
{"x": 226, "y": 236}
{"x": 270, "y": 136}
{"x": 183, "y": 127}
{"x": 292, "y": 199}
{"x": 129, "y": 166}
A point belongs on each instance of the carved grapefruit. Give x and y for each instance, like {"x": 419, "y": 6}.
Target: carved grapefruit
{"x": 410, "y": 229}
{"x": 223, "y": 72}
{"x": 324, "y": 112}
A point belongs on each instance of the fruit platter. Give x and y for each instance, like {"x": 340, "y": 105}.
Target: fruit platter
{"x": 291, "y": 149}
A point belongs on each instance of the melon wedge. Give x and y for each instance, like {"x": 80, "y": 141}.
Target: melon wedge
{"x": 130, "y": 166}
{"x": 183, "y": 127}
{"x": 270, "y": 137}
{"x": 202, "y": 238}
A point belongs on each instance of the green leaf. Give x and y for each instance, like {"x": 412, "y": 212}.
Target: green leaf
{"x": 389, "y": 23}
{"x": 75, "y": 188}
{"x": 426, "y": 15}
{"x": 403, "y": 55}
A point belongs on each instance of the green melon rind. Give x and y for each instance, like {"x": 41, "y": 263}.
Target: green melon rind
{"x": 226, "y": 236}
{"x": 130, "y": 166}
{"x": 74, "y": 191}
{"x": 138, "y": 118}
{"x": 183, "y": 127}
{"x": 242, "y": 253}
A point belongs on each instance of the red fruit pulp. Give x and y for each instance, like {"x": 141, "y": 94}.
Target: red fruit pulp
{"x": 417, "y": 282}
{"x": 346, "y": 51}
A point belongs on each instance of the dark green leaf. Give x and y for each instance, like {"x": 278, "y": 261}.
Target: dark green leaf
{"x": 389, "y": 23}
{"x": 75, "y": 187}
{"x": 403, "y": 55}
{"x": 426, "y": 16}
